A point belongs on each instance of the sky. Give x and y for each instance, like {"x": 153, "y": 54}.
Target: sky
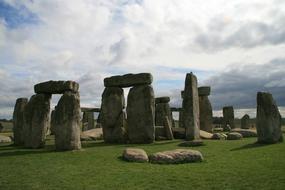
{"x": 236, "y": 47}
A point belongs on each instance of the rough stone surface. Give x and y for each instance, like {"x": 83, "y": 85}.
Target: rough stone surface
{"x": 56, "y": 87}
{"x": 162, "y": 110}
{"x": 93, "y": 134}
{"x": 192, "y": 143}
{"x": 245, "y": 122}
{"x": 164, "y": 99}
{"x": 90, "y": 120}
{"x": 141, "y": 111}
{"x": 4, "y": 139}
{"x": 178, "y": 133}
{"x": 159, "y": 132}
{"x": 219, "y": 136}
{"x": 112, "y": 116}
{"x": 67, "y": 122}
{"x": 18, "y": 120}
{"x": 168, "y": 128}
{"x": 177, "y": 156}
{"x": 180, "y": 119}
{"x": 190, "y": 106}
{"x": 205, "y": 135}
{"x": 228, "y": 117}
{"x": 204, "y": 90}
{"x": 206, "y": 114}
{"x": 52, "y": 122}
{"x": 246, "y": 132}
{"x": 128, "y": 80}
{"x": 135, "y": 155}
{"x": 36, "y": 120}
{"x": 234, "y": 136}
{"x": 268, "y": 119}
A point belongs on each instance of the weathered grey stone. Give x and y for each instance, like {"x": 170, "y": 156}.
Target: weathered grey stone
{"x": 67, "y": 122}
{"x": 168, "y": 128}
{"x": 159, "y": 132}
{"x": 112, "y": 116}
{"x": 245, "y": 122}
{"x": 205, "y": 135}
{"x": 5, "y": 139}
{"x": 84, "y": 109}
{"x": 128, "y": 80}
{"x": 219, "y": 136}
{"x": 178, "y": 133}
{"x": 190, "y": 106}
{"x": 228, "y": 117}
{"x": 180, "y": 119}
{"x": 268, "y": 119}
{"x": 206, "y": 114}
{"x": 90, "y": 120}
{"x": 36, "y": 120}
{"x": 164, "y": 99}
{"x": 177, "y": 156}
{"x": 18, "y": 120}
{"x": 204, "y": 90}
{"x": 141, "y": 111}
{"x": 162, "y": 110}
{"x": 56, "y": 87}
{"x": 182, "y": 94}
{"x": 135, "y": 155}
{"x": 234, "y": 136}
{"x": 93, "y": 134}
{"x": 246, "y": 132}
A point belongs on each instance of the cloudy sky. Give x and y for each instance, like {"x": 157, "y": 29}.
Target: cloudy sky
{"x": 237, "y": 47}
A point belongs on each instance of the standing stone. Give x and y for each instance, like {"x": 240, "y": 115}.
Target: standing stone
{"x": 206, "y": 113}
{"x": 190, "y": 107}
{"x": 162, "y": 109}
{"x": 18, "y": 120}
{"x": 112, "y": 116}
{"x": 52, "y": 122}
{"x": 168, "y": 129}
{"x": 245, "y": 122}
{"x": 229, "y": 118}
{"x": 141, "y": 111}
{"x": 36, "y": 120}
{"x": 180, "y": 119}
{"x": 268, "y": 119}
{"x": 88, "y": 121}
{"x": 67, "y": 122}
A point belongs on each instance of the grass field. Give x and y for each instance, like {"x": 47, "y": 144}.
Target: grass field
{"x": 228, "y": 165}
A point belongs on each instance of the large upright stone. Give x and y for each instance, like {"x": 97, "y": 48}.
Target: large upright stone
{"x": 112, "y": 116}
{"x": 52, "y": 122}
{"x": 67, "y": 122}
{"x": 168, "y": 129}
{"x": 128, "y": 80}
{"x": 141, "y": 111}
{"x": 18, "y": 120}
{"x": 88, "y": 121}
{"x": 228, "y": 117}
{"x": 56, "y": 87}
{"x": 36, "y": 120}
{"x": 162, "y": 110}
{"x": 205, "y": 107}
{"x": 245, "y": 122}
{"x": 268, "y": 119}
{"x": 190, "y": 107}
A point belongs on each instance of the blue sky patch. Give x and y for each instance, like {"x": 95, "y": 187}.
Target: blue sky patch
{"x": 16, "y": 16}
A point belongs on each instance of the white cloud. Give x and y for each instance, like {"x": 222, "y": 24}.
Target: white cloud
{"x": 88, "y": 40}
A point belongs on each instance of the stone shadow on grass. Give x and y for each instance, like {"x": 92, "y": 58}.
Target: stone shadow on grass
{"x": 249, "y": 146}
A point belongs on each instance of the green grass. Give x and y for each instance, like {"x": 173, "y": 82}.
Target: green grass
{"x": 228, "y": 165}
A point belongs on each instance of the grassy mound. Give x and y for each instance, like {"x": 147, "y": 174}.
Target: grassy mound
{"x": 228, "y": 165}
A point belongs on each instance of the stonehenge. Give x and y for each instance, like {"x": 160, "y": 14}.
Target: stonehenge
{"x": 268, "y": 119}
{"x": 190, "y": 108}
{"x": 67, "y": 122}
{"x": 228, "y": 118}
{"x": 36, "y": 120}
{"x": 245, "y": 122}
{"x": 205, "y": 107}
{"x": 88, "y": 120}
{"x": 136, "y": 125}
{"x": 162, "y": 109}
{"x": 18, "y": 120}
{"x": 32, "y": 119}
